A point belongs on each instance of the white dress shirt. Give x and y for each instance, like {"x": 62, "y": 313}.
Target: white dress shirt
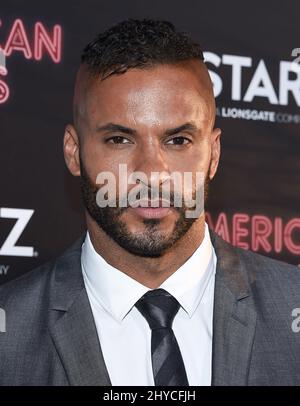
{"x": 124, "y": 334}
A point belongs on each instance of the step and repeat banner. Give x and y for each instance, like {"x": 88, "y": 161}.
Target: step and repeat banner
{"x": 253, "y": 55}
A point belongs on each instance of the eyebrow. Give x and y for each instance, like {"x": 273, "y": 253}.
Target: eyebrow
{"x": 183, "y": 127}
{"x": 112, "y": 127}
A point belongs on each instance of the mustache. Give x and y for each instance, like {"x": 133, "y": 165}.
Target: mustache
{"x": 151, "y": 198}
{"x": 120, "y": 207}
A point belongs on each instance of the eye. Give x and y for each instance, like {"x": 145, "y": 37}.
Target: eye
{"x": 178, "y": 141}
{"x": 118, "y": 139}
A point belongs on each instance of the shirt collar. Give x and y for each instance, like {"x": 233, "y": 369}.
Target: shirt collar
{"x": 117, "y": 292}
{"x": 189, "y": 282}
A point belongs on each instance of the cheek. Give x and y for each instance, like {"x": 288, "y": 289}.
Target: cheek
{"x": 96, "y": 158}
{"x": 202, "y": 156}
{"x": 193, "y": 161}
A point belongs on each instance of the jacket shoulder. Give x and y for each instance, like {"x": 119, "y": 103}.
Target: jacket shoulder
{"x": 32, "y": 286}
{"x": 267, "y": 277}
{"x": 265, "y": 267}
{"x": 252, "y": 259}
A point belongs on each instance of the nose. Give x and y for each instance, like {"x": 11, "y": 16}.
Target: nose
{"x": 153, "y": 164}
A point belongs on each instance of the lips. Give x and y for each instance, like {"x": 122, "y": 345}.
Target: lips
{"x": 154, "y": 204}
{"x": 151, "y": 212}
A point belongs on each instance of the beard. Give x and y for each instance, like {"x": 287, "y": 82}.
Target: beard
{"x": 151, "y": 242}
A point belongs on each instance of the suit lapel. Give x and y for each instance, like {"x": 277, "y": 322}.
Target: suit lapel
{"x": 234, "y": 318}
{"x": 72, "y": 324}
{"x": 75, "y": 337}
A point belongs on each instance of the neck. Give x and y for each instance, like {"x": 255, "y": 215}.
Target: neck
{"x": 150, "y": 272}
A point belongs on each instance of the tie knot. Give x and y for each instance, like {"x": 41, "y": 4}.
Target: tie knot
{"x": 158, "y": 307}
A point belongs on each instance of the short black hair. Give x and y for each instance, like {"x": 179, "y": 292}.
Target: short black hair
{"x": 138, "y": 44}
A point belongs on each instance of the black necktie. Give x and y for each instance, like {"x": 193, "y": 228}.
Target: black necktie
{"x": 159, "y": 309}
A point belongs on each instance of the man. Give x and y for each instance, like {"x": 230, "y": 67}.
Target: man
{"x": 149, "y": 296}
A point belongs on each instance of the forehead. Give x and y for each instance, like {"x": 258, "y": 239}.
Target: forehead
{"x": 162, "y": 95}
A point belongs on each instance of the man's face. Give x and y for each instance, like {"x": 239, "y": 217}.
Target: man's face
{"x": 160, "y": 121}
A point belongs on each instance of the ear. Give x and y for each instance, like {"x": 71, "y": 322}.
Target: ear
{"x": 71, "y": 150}
{"x": 215, "y": 152}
